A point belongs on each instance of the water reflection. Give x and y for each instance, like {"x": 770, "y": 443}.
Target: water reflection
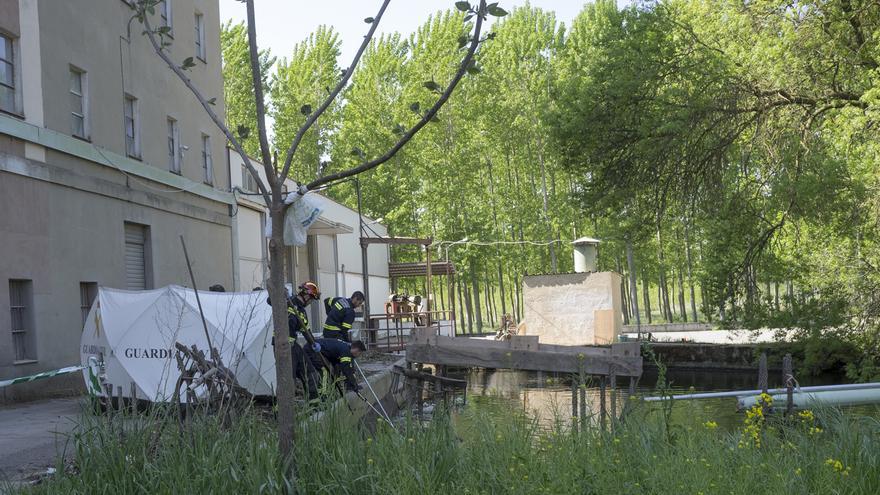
{"x": 547, "y": 396}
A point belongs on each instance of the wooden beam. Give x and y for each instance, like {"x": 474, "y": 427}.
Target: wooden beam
{"x": 452, "y": 382}
{"x": 488, "y": 355}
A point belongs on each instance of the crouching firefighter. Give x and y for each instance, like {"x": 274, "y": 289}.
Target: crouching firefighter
{"x": 340, "y": 315}
{"x": 297, "y": 321}
{"x": 340, "y": 355}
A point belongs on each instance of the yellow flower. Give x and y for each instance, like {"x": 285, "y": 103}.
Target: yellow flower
{"x": 837, "y": 466}
{"x": 412, "y": 440}
{"x": 797, "y": 471}
{"x": 710, "y": 425}
{"x": 370, "y": 461}
{"x": 616, "y": 440}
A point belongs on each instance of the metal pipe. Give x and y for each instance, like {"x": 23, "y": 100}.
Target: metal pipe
{"x": 742, "y": 393}
{"x": 802, "y": 400}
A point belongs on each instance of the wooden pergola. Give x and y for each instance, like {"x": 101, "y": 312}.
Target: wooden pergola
{"x": 423, "y": 269}
{"x": 397, "y": 241}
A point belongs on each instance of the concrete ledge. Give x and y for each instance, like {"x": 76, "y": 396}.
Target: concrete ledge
{"x": 392, "y": 399}
{"x": 66, "y": 144}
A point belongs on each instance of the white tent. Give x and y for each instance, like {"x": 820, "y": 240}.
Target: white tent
{"x": 134, "y": 333}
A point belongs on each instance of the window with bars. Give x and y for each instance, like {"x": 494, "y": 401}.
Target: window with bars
{"x": 173, "y": 146}
{"x": 7, "y": 75}
{"x": 88, "y": 291}
{"x": 78, "y": 103}
{"x": 200, "y": 36}
{"x": 21, "y": 309}
{"x": 207, "y": 160}
{"x": 132, "y": 139}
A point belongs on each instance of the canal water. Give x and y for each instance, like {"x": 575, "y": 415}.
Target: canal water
{"x": 547, "y": 396}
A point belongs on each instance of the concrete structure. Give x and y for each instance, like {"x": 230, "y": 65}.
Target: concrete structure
{"x": 573, "y": 308}
{"x": 105, "y": 159}
{"x": 331, "y": 257}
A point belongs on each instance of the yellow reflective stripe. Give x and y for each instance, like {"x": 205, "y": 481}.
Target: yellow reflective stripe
{"x": 346, "y": 325}
{"x": 330, "y": 327}
{"x": 338, "y": 306}
{"x": 291, "y": 339}
{"x": 291, "y": 310}
{"x": 345, "y": 360}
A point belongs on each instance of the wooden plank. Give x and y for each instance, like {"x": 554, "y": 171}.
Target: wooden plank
{"x": 524, "y": 342}
{"x": 626, "y": 349}
{"x": 484, "y": 356}
{"x": 498, "y": 344}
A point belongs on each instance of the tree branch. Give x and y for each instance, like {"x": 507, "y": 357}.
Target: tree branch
{"x": 407, "y": 136}
{"x": 265, "y": 151}
{"x": 151, "y": 35}
{"x": 288, "y": 160}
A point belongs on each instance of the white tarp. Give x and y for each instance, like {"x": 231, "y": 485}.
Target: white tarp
{"x": 134, "y": 333}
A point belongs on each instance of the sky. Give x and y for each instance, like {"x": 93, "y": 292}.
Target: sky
{"x": 283, "y": 23}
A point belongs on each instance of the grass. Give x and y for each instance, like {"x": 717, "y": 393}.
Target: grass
{"x": 486, "y": 449}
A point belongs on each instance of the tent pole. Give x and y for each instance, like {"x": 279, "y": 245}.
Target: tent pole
{"x": 198, "y": 301}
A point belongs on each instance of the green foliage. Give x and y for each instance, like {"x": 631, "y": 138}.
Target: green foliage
{"x": 241, "y": 113}
{"x": 487, "y": 449}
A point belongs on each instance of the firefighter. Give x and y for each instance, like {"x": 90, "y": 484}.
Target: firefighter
{"x": 341, "y": 356}
{"x": 297, "y": 321}
{"x": 340, "y": 315}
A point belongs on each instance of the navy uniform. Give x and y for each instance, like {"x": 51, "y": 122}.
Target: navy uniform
{"x": 297, "y": 321}
{"x": 338, "y": 353}
{"x": 340, "y": 315}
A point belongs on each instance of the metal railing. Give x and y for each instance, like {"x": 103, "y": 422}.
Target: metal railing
{"x": 393, "y": 335}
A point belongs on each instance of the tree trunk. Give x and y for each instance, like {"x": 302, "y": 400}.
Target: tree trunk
{"x": 663, "y": 290}
{"x": 690, "y": 269}
{"x": 477, "y": 312}
{"x": 646, "y": 294}
{"x": 461, "y": 306}
{"x": 546, "y": 208}
{"x": 672, "y": 306}
{"x": 518, "y": 291}
{"x": 633, "y": 286}
{"x": 442, "y": 297}
{"x": 283, "y": 360}
{"x": 470, "y": 308}
{"x": 681, "y": 305}
{"x": 501, "y": 288}
{"x": 660, "y": 300}
{"x": 623, "y": 298}
{"x": 776, "y": 296}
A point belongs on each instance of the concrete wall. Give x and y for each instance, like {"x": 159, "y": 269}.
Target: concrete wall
{"x": 65, "y": 200}
{"x": 561, "y": 309}
{"x": 94, "y": 36}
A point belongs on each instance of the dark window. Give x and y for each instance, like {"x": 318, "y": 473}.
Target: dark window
{"x": 21, "y": 308}
{"x": 88, "y": 291}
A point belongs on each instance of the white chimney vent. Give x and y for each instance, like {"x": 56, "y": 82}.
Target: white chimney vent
{"x": 586, "y": 254}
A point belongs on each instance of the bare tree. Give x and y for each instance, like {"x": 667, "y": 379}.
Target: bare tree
{"x": 271, "y": 190}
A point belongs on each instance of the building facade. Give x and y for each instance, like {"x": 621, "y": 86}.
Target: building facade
{"x": 106, "y": 160}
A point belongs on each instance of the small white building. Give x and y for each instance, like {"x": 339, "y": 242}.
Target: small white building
{"x": 331, "y": 256}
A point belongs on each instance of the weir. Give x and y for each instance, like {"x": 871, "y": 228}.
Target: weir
{"x": 524, "y": 352}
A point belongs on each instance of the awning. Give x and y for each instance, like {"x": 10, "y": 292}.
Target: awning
{"x": 396, "y": 270}
{"x": 328, "y": 227}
